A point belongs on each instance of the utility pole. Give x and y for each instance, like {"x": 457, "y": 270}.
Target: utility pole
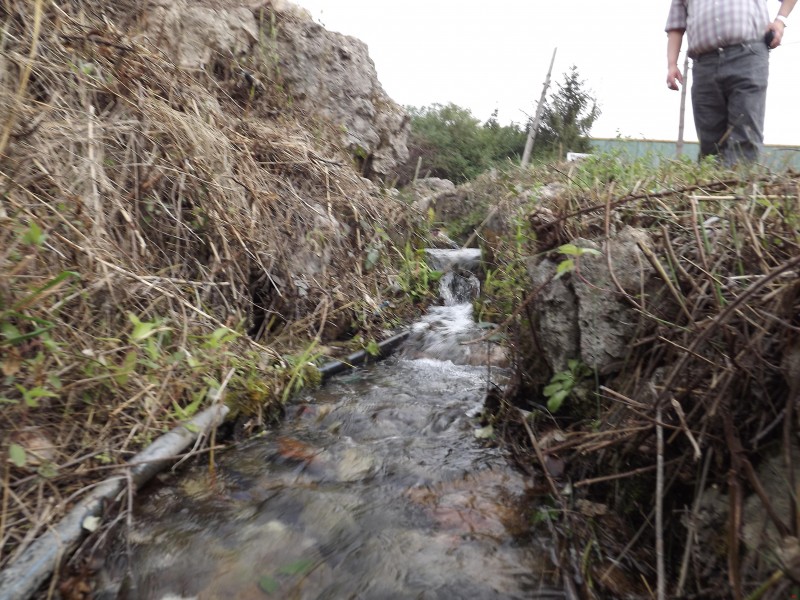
{"x": 682, "y": 117}
{"x": 526, "y": 155}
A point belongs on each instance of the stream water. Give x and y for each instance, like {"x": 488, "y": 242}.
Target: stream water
{"x": 375, "y": 486}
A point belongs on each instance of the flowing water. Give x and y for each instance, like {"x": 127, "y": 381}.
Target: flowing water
{"x": 375, "y": 486}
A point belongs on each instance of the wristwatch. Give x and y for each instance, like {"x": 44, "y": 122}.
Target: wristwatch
{"x": 783, "y": 20}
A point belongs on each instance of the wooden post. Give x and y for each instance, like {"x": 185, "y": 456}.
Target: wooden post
{"x": 682, "y": 118}
{"x": 526, "y": 155}
{"x": 416, "y": 171}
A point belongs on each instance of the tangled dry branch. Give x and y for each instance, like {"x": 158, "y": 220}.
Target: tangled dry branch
{"x": 715, "y": 362}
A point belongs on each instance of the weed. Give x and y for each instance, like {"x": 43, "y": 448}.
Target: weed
{"x": 563, "y": 383}
{"x": 416, "y": 277}
{"x": 302, "y": 371}
{"x": 504, "y": 287}
{"x": 568, "y": 265}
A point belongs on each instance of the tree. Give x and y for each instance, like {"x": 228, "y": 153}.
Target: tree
{"x": 502, "y": 141}
{"x": 448, "y": 139}
{"x": 453, "y": 144}
{"x": 568, "y": 117}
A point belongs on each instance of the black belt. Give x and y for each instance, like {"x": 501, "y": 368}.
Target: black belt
{"x": 722, "y": 50}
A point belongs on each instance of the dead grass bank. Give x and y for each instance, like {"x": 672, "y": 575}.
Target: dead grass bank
{"x": 677, "y": 468}
{"x": 150, "y": 218}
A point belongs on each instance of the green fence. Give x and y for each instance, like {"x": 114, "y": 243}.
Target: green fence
{"x": 775, "y": 157}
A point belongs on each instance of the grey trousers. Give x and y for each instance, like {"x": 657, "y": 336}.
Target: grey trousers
{"x": 729, "y": 94}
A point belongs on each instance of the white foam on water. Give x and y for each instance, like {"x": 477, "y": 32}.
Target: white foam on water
{"x": 442, "y": 260}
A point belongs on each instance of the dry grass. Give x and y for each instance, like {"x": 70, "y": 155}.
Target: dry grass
{"x": 150, "y": 217}
{"x": 717, "y": 353}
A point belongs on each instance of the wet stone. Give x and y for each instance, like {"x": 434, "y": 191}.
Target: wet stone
{"x": 354, "y": 465}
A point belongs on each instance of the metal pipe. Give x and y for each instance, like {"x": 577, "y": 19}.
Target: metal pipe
{"x": 385, "y": 348}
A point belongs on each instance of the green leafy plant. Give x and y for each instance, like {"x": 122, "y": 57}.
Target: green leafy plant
{"x": 34, "y": 235}
{"x": 302, "y": 371}
{"x": 573, "y": 253}
{"x": 17, "y": 455}
{"x": 31, "y": 396}
{"x": 416, "y": 277}
{"x": 544, "y": 514}
{"x": 505, "y": 286}
{"x": 12, "y": 318}
{"x": 562, "y": 384}
{"x": 143, "y": 329}
{"x": 372, "y": 348}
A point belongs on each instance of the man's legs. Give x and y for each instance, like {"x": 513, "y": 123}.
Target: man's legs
{"x": 744, "y": 79}
{"x": 708, "y": 105}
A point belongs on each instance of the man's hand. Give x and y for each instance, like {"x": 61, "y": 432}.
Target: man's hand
{"x": 674, "y": 77}
{"x": 674, "y": 41}
{"x": 777, "y": 28}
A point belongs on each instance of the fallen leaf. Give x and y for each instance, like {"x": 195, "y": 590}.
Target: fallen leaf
{"x": 11, "y": 364}
{"x": 591, "y": 509}
{"x": 296, "y": 450}
{"x": 16, "y": 454}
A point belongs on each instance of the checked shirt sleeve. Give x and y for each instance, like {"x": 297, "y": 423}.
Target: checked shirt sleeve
{"x": 677, "y": 16}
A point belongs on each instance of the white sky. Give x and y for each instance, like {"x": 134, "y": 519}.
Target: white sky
{"x": 483, "y": 55}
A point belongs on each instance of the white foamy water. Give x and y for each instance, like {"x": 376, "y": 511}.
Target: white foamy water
{"x": 444, "y": 260}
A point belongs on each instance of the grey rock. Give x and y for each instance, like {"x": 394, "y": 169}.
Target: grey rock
{"x": 425, "y": 191}
{"x": 585, "y": 315}
{"x": 607, "y": 321}
{"x": 354, "y": 465}
{"x": 557, "y": 311}
{"x": 327, "y": 74}
{"x": 191, "y": 35}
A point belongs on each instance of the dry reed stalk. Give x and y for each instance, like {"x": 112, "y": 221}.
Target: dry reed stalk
{"x": 728, "y": 314}
{"x": 659, "y": 496}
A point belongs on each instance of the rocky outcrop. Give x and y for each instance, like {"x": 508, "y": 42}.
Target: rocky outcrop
{"x": 332, "y": 75}
{"x": 327, "y": 74}
{"x": 192, "y": 34}
{"x": 584, "y": 314}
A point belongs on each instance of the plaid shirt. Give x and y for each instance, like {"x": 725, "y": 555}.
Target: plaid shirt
{"x": 712, "y": 24}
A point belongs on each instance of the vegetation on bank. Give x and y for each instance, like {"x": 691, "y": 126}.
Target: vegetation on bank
{"x": 672, "y": 473}
{"x": 448, "y": 142}
{"x": 156, "y": 259}
{"x": 169, "y": 241}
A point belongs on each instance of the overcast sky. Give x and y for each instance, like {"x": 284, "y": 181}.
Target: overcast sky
{"x": 487, "y": 55}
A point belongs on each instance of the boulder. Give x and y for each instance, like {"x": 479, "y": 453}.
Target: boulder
{"x": 332, "y": 75}
{"x": 425, "y": 191}
{"x": 557, "y": 311}
{"x": 326, "y": 74}
{"x": 584, "y": 315}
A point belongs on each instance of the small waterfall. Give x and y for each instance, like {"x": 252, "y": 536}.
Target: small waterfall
{"x": 456, "y": 287}
{"x": 467, "y": 259}
{"x": 441, "y": 333}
